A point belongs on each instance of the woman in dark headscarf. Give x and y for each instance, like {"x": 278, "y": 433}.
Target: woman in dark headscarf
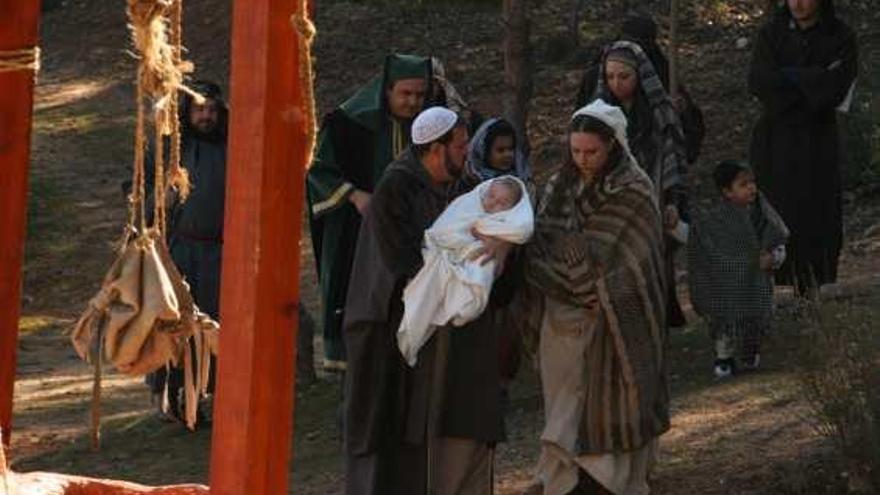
{"x": 803, "y": 67}
{"x": 493, "y": 152}
{"x": 641, "y": 30}
{"x": 628, "y": 79}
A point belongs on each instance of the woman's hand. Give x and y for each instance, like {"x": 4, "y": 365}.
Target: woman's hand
{"x": 766, "y": 261}
{"x": 670, "y": 217}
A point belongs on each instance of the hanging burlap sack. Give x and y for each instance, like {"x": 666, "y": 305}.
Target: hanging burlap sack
{"x": 143, "y": 317}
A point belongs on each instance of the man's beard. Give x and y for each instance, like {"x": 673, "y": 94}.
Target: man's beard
{"x": 205, "y": 132}
{"x": 452, "y": 169}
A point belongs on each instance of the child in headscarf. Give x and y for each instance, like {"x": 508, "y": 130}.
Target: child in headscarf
{"x": 493, "y": 152}
{"x": 733, "y": 249}
{"x": 451, "y": 287}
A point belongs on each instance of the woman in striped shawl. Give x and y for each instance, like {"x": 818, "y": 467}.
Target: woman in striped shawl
{"x": 596, "y": 263}
{"x": 628, "y": 79}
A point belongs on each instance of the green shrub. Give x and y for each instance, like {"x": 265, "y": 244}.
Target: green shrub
{"x": 839, "y": 374}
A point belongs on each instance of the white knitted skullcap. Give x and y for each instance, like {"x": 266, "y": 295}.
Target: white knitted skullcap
{"x": 432, "y": 124}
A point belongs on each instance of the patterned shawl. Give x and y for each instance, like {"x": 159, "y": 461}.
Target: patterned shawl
{"x": 657, "y": 139}
{"x": 477, "y": 165}
{"x": 605, "y": 240}
{"x": 724, "y": 245}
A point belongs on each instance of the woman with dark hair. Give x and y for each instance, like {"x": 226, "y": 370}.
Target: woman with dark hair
{"x": 628, "y": 79}
{"x": 642, "y": 30}
{"x": 596, "y": 295}
{"x": 803, "y": 67}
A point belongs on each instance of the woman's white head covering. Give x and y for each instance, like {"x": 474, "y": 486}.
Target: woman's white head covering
{"x": 611, "y": 116}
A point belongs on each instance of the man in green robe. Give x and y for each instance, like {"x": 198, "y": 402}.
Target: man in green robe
{"x": 356, "y": 142}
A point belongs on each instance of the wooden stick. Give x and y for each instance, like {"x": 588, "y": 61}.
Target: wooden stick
{"x": 19, "y": 24}
{"x": 96, "y": 393}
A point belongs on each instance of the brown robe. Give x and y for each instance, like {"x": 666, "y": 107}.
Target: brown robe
{"x": 391, "y": 414}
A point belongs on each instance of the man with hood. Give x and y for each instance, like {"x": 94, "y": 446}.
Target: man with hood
{"x": 195, "y": 226}
{"x": 356, "y": 143}
{"x": 803, "y": 67}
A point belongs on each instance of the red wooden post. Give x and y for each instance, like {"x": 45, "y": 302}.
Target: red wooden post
{"x": 253, "y": 422}
{"x": 19, "y": 28}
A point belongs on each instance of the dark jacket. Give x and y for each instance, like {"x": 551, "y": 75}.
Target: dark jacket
{"x": 387, "y": 402}
{"x": 800, "y": 77}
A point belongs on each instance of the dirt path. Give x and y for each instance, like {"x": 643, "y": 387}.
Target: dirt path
{"x": 749, "y": 435}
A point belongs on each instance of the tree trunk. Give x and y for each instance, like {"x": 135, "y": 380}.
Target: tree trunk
{"x": 673, "y": 49}
{"x": 517, "y": 66}
{"x": 574, "y": 28}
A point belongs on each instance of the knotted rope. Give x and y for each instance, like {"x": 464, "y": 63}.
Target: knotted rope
{"x": 306, "y": 30}
{"x": 25, "y": 59}
{"x": 155, "y": 27}
{"x": 156, "y": 33}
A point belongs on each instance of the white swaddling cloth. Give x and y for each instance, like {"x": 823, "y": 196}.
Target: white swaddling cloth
{"x": 449, "y": 287}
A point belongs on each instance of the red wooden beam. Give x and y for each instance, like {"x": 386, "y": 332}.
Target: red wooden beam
{"x": 253, "y": 423}
{"x": 19, "y": 28}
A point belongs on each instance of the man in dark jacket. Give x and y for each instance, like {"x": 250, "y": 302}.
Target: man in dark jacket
{"x": 430, "y": 428}
{"x": 195, "y": 226}
{"x": 803, "y": 68}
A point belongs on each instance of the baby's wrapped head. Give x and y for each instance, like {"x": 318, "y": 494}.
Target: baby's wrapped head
{"x": 502, "y": 194}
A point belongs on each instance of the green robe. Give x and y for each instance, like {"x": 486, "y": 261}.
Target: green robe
{"x": 356, "y": 142}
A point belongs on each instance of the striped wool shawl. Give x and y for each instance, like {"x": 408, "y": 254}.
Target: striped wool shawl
{"x": 604, "y": 240}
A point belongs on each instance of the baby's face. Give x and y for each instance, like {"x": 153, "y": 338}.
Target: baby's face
{"x": 499, "y": 197}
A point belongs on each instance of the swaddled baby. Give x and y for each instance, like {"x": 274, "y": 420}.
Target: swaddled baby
{"x": 451, "y": 288}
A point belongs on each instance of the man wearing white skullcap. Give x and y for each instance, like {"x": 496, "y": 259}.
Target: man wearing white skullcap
{"x": 427, "y": 429}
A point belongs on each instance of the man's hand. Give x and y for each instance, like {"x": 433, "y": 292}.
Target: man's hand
{"x": 492, "y": 249}
{"x": 360, "y": 200}
{"x": 592, "y": 304}
{"x": 678, "y": 102}
{"x": 766, "y": 261}
{"x": 670, "y": 217}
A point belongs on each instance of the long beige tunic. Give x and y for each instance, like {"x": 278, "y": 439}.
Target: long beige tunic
{"x": 566, "y": 335}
